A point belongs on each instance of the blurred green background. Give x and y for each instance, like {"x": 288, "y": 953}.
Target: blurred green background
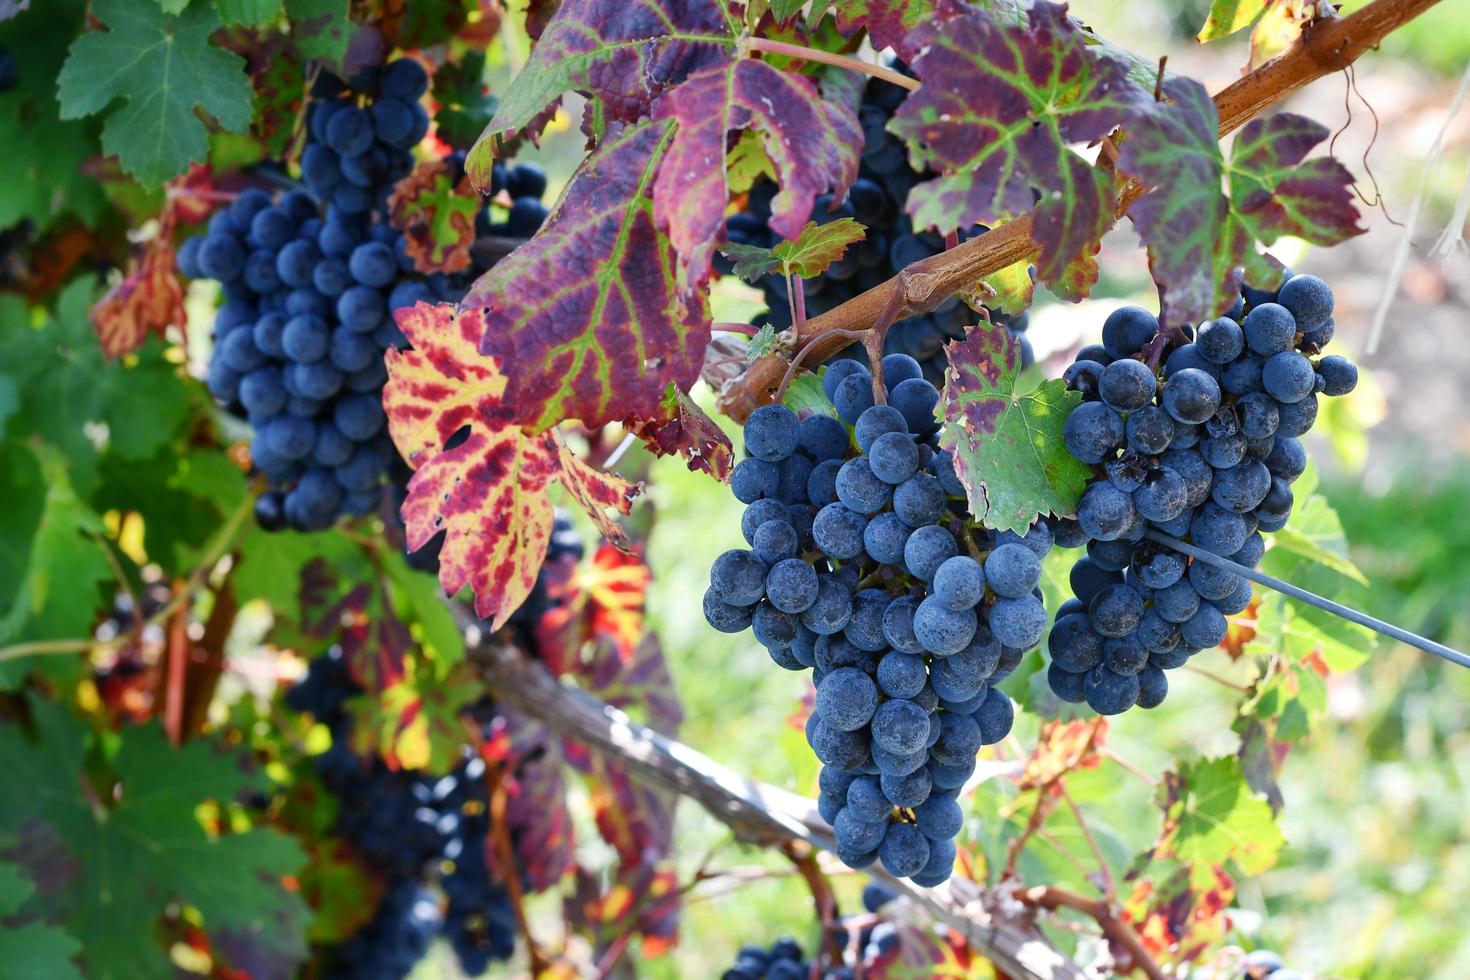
{"x": 1375, "y": 876}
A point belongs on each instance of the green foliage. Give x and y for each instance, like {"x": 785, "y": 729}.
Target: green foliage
{"x": 33, "y": 949}
{"x": 162, "y": 67}
{"x": 1212, "y": 817}
{"x": 251, "y": 13}
{"x": 807, "y": 255}
{"x": 135, "y": 844}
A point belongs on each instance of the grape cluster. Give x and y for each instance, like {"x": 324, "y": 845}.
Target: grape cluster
{"x": 1206, "y": 455}
{"x": 409, "y": 827}
{"x": 877, "y": 201}
{"x": 876, "y": 945}
{"x": 864, "y": 567}
{"x": 312, "y": 281}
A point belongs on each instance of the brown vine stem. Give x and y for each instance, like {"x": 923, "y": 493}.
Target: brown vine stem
{"x": 505, "y": 853}
{"x": 804, "y": 858}
{"x": 1324, "y": 48}
{"x": 1117, "y": 930}
{"x": 770, "y": 46}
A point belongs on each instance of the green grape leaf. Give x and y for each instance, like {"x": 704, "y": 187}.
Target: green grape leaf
{"x": 323, "y": 30}
{"x": 1228, "y": 16}
{"x": 748, "y": 162}
{"x": 805, "y": 394}
{"x": 465, "y": 103}
{"x": 750, "y": 262}
{"x": 60, "y": 584}
{"x": 436, "y": 216}
{"x": 807, "y": 255}
{"x": 1211, "y": 817}
{"x": 625, "y": 54}
{"x": 1007, "y": 444}
{"x": 162, "y": 68}
{"x": 271, "y": 564}
{"x": 1197, "y": 237}
{"x": 813, "y": 145}
{"x": 34, "y": 949}
{"x": 1008, "y": 290}
{"x": 536, "y": 811}
{"x": 248, "y": 13}
{"x": 43, "y": 167}
{"x": 134, "y": 845}
{"x": 784, "y": 10}
{"x": 1000, "y": 107}
{"x": 763, "y": 344}
{"x": 684, "y": 428}
{"x": 590, "y": 313}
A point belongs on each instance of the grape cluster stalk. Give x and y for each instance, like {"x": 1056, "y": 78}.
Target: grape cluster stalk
{"x": 312, "y": 281}
{"x": 864, "y": 567}
{"x": 876, "y": 200}
{"x": 1205, "y": 450}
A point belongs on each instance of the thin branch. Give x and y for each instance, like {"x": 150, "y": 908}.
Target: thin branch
{"x": 770, "y": 46}
{"x": 1129, "y": 767}
{"x": 1116, "y": 929}
{"x": 1109, "y": 889}
{"x": 1325, "y": 47}
{"x": 505, "y": 855}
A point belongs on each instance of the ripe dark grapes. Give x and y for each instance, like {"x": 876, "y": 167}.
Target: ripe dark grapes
{"x": 312, "y": 281}
{"x": 906, "y": 610}
{"x": 1207, "y": 456}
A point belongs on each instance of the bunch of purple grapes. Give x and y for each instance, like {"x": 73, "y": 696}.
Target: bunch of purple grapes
{"x": 864, "y": 566}
{"x": 312, "y": 282}
{"x": 1204, "y": 450}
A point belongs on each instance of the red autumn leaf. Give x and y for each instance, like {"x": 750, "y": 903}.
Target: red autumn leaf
{"x": 437, "y": 217}
{"x": 812, "y": 144}
{"x": 144, "y": 304}
{"x": 1063, "y": 747}
{"x": 591, "y": 311}
{"x": 489, "y": 493}
{"x": 624, "y": 54}
{"x": 536, "y": 812}
{"x": 600, "y": 600}
{"x": 888, "y": 22}
{"x": 683, "y": 427}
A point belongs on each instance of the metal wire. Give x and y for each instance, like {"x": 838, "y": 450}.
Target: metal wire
{"x": 1311, "y": 598}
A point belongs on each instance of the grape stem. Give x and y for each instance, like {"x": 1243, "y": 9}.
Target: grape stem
{"x": 1312, "y": 599}
{"x": 801, "y": 356}
{"x": 769, "y": 46}
{"x": 1116, "y": 929}
{"x": 1325, "y": 47}
{"x": 506, "y": 859}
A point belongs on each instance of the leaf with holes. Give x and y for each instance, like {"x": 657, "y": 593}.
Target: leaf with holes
{"x": 812, "y": 144}
{"x": 133, "y": 843}
{"x": 684, "y": 428}
{"x": 1007, "y": 445}
{"x": 590, "y": 311}
{"x": 624, "y": 55}
{"x": 1228, "y": 16}
{"x": 1000, "y": 107}
{"x": 147, "y": 301}
{"x": 465, "y": 103}
{"x": 1197, "y": 237}
{"x": 436, "y": 216}
{"x": 1211, "y": 816}
{"x": 163, "y": 68}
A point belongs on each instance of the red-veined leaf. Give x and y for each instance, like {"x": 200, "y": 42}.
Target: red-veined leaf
{"x": 1000, "y": 106}
{"x": 596, "y": 491}
{"x": 437, "y": 217}
{"x": 590, "y": 311}
{"x": 812, "y": 144}
{"x": 683, "y": 427}
{"x": 624, "y": 54}
{"x": 1007, "y": 444}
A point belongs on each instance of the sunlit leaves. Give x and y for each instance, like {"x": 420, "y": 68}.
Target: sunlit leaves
{"x": 1000, "y": 108}
{"x": 436, "y": 216}
{"x": 807, "y": 255}
{"x": 624, "y": 54}
{"x": 1007, "y": 444}
{"x": 1211, "y": 816}
{"x": 812, "y": 146}
{"x": 162, "y": 68}
{"x": 591, "y": 311}
{"x": 1197, "y": 237}
{"x": 1228, "y": 16}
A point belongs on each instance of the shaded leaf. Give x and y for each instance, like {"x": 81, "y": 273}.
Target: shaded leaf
{"x": 33, "y": 949}
{"x": 807, "y": 255}
{"x": 1228, "y": 16}
{"x": 536, "y": 799}
{"x": 136, "y": 848}
{"x": 684, "y": 428}
{"x": 436, "y": 216}
{"x": 1007, "y": 445}
{"x": 1211, "y": 816}
{"x": 465, "y": 103}
{"x": 812, "y": 144}
{"x": 805, "y": 395}
{"x": 750, "y": 262}
{"x": 888, "y": 22}
{"x": 322, "y": 30}
{"x": 162, "y": 68}
{"x": 147, "y": 302}
{"x": 998, "y": 110}
{"x": 249, "y": 13}
{"x": 623, "y": 54}
{"x": 590, "y": 311}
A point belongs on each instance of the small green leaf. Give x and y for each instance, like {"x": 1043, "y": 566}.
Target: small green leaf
{"x": 763, "y": 343}
{"x": 1009, "y": 290}
{"x": 162, "y": 68}
{"x": 750, "y": 262}
{"x": 465, "y": 103}
{"x": 748, "y": 162}
{"x": 1007, "y": 445}
{"x": 1211, "y": 817}
{"x": 805, "y": 394}
{"x": 250, "y": 13}
{"x": 322, "y": 29}
{"x": 1228, "y": 16}
{"x": 817, "y": 246}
